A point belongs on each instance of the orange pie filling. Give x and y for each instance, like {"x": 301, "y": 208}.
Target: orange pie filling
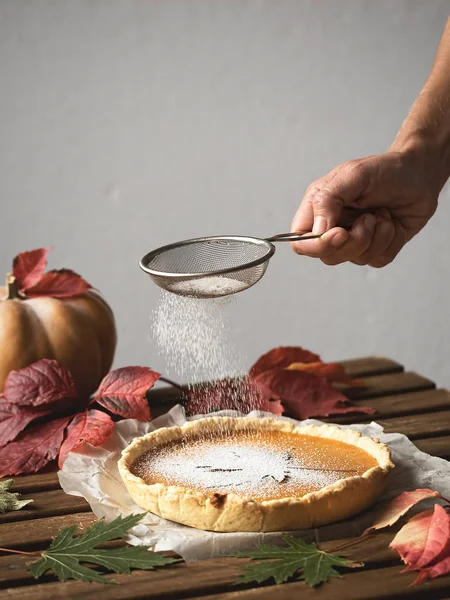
{"x": 259, "y": 464}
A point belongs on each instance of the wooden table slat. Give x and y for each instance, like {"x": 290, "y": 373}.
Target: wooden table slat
{"x": 371, "y": 585}
{"x": 25, "y": 534}
{"x": 39, "y": 482}
{"x": 439, "y": 446}
{"x": 419, "y": 426}
{"x": 399, "y": 405}
{"x": 371, "y": 365}
{"x": 386, "y": 385}
{"x": 46, "y": 504}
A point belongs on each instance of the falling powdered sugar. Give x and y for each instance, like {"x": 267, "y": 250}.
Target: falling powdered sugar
{"x": 193, "y": 337}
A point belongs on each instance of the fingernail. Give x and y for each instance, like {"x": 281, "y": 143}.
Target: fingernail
{"x": 320, "y": 225}
{"x": 339, "y": 239}
{"x": 385, "y": 213}
{"x": 369, "y": 222}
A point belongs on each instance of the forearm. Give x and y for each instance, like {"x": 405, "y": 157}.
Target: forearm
{"x": 427, "y": 128}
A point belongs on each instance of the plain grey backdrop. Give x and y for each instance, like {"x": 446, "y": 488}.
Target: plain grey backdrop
{"x": 128, "y": 124}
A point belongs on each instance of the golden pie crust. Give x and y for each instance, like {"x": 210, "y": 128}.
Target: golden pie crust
{"x": 303, "y": 505}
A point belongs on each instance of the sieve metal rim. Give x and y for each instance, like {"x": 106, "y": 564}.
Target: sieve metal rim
{"x": 237, "y": 238}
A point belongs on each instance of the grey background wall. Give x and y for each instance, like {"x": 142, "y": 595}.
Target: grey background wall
{"x": 127, "y": 124}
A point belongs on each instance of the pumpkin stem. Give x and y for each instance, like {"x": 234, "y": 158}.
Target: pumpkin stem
{"x": 12, "y": 291}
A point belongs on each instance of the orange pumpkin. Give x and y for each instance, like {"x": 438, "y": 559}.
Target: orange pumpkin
{"x": 78, "y": 332}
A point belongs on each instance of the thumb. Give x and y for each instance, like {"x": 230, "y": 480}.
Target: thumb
{"x": 344, "y": 187}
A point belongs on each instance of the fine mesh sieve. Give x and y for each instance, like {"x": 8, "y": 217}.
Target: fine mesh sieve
{"x": 211, "y": 267}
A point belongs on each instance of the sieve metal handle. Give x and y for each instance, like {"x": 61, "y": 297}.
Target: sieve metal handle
{"x": 295, "y": 236}
{"x": 348, "y": 217}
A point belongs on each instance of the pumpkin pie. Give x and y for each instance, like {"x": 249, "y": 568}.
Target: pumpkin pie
{"x": 243, "y": 474}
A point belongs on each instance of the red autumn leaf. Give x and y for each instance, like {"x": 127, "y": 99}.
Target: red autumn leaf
{"x": 92, "y": 426}
{"x": 441, "y": 567}
{"x": 424, "y": 539}
{"x": 281, "y": 358}
{"x": 229, "y": 394}
{"x": 33, "y": 449}
{"x": 400, "y": 506}
{"x": 61, "y": 283}
{"x": 331, "y": 372}
{"x": 42, "y": 382}
{"x": 14, "y": 419}
{"x": 123, "y": 392}
{"x": 29, "y": 266}
{"x": 305, "y": 395}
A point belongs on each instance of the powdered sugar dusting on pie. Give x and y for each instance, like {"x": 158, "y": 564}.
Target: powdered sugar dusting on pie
{"x": 259, "y": 465}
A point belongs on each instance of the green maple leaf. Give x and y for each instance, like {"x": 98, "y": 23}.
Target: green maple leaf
{"x": 66, "y": 553}
{"x": 316, "y": 565}
{"x": 10, "y": 500}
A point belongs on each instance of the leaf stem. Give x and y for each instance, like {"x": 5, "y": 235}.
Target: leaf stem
{"x": 12, "y": 290}
{"x": 20, "y": 552}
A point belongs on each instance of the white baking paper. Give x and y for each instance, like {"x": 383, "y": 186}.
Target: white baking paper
{"x": 93, "y": 474}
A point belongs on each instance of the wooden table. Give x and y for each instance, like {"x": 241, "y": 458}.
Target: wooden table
{"x": 405, "y": 402}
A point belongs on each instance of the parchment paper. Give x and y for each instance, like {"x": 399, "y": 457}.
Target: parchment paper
{"x": 93, "y": 474}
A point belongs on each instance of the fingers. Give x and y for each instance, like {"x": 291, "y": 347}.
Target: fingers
{"x": 359, "y": 241}
{"x": 324, "y": 246}
{"x": 383, "y": 237}
{"x": 399, "y": 240}
{"x": 373, "y": 240}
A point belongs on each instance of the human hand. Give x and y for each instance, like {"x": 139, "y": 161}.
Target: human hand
{"x": 394, "y": 195}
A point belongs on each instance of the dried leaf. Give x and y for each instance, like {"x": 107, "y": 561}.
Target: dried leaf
{"x": 42, "y": 382}
{"x": 61, "y": 283}
{"x": 123, "y": 392}
{"x": 281, "y": 358}
{"x": 424, "y": 539}
{"x": 229, "y": 394}
{"x": 14, "y": 419}
{"x": 29, "y": 266}
{"x": 10, "y": 500}
{"x": 305, "y": 395}
{"x": 333, "y": 372}
{"x": 92, "y": 426}
{"x": 33, "y": 449}
{"x": 400, "y": 506}
{"x": 437, "y": 570}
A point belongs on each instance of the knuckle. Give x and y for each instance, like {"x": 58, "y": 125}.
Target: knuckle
{"x": 359, "y": 170}
{"x": 321, "y": 199}
{"x": 313, "y": 188}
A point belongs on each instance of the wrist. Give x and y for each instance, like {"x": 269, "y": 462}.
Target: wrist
{"x": 429, "y": 154}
